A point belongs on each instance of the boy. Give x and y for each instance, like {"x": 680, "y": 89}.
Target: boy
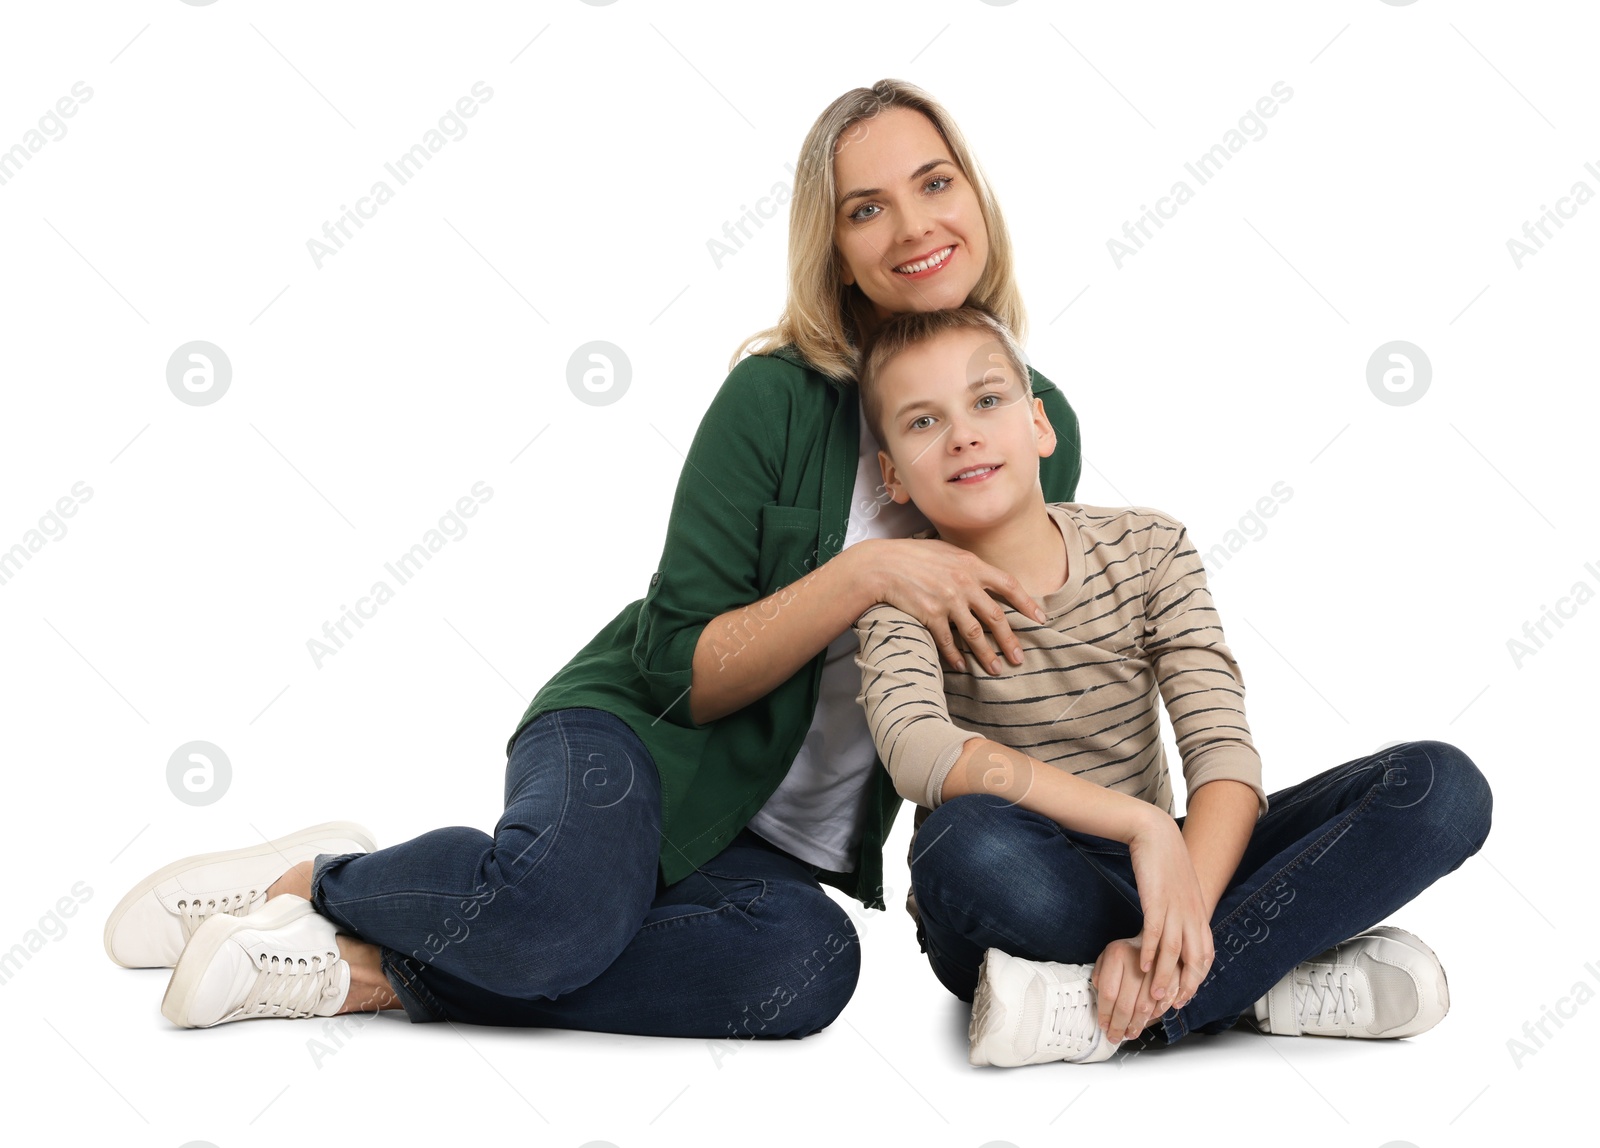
{"x": 1073, "y": 734}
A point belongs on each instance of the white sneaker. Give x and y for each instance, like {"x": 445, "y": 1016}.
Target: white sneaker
{"x": 150, "y": 926}
{"x": 281, "y": 961}
{"x": 1031, "y": 1012}
{"x": 1384, "y": 983}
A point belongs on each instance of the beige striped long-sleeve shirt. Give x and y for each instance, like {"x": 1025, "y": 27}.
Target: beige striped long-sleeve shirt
{"x": 1133, "y": 620}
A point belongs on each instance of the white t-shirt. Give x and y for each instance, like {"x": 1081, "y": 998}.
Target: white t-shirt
{"x": 815, "y": 814}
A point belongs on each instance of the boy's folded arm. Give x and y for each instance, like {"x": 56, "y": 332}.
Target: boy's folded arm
{"x": 932, "y": 760}
{"x": 1200, "y": 682}
{"x": 902, "y": 693}
{"x": 1073, "y": 802}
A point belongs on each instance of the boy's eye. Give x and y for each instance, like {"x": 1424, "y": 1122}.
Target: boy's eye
{"x": 992, "y": 400}
{"x": 922, "y": 422}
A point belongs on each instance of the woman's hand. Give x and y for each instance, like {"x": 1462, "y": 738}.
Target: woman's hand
{"x": 1176, "y": 923}
{"x": 946, "y": 589}
{"x": 1120, "y": 985}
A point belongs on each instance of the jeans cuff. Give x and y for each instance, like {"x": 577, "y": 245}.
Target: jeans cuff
{"x": 404, "y": 976}
{"x": 1173, "y": 1027}
{"x": 402, "y": 973}
{"x": 319, "y": 868}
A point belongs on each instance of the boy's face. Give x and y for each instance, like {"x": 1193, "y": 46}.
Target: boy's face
{"x": 961, "y": 439}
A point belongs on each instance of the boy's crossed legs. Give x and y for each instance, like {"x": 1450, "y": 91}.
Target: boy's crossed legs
{"x": 1333, "y": 855}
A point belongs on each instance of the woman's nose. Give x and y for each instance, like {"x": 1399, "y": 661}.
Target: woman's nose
{"x": 915, "y": 223}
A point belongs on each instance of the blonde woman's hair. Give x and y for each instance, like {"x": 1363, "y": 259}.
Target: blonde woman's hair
{"x": 913, "y": 328}
{"x": 824, "y": 318}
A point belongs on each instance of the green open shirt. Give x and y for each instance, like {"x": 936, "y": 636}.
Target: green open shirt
{"x": 763, "y": 498}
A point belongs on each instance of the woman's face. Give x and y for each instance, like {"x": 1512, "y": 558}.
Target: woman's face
{"x": 903, "y": 204}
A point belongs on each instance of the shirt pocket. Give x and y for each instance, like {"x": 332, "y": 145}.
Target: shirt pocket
{"x": 788, "y": 550}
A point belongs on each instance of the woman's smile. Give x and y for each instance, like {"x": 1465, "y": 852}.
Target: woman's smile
{"x": 925, "y": 266}
{"x": 910, "y": 232}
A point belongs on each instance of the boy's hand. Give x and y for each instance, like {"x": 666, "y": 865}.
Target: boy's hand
{"x": 1176, "y": 922}
{"x": 947, "y": 589}
{"x": 1123, "y": 990}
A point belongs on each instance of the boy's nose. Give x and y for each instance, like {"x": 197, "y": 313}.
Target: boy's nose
{"x": 962, "y": 437}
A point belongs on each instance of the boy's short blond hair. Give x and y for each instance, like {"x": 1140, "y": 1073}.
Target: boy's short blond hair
{"x": 913, "y": 328}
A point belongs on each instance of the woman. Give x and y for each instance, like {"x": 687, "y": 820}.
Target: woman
{"x": 676, "y": 795}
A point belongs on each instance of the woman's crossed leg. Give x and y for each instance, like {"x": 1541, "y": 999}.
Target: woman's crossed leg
{"x": 557, "y": 919}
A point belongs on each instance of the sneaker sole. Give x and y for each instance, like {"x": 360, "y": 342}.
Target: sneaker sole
{"x": 1411, "y": 939}
{"x": 178, "y": 1001}
{"x": 982, "y": 1003}
{"x": 345, "y": 829}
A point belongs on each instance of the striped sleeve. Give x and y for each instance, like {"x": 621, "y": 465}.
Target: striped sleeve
{"x": 902, "y": 692}
{"x": 1199, "y": 680}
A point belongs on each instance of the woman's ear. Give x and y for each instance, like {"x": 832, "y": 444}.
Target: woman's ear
{"x": 1043, "y": 431}
{"x": 891, "y": 479}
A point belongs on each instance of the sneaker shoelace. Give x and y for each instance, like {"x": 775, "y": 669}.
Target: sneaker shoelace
{"x": 288, "y": 986}
{"x": 1333, "y": 1004}
{"x": 1073, "y": 1018}
{"x": 193, "y": 914}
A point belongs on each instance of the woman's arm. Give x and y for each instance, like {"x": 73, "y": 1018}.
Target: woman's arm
{"x": 746, "y": 652}
{"x": 710, "y": 558}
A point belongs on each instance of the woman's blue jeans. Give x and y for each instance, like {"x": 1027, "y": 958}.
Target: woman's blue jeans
{"x": 1331, "y": 857}
{"x": 559, "y": 919}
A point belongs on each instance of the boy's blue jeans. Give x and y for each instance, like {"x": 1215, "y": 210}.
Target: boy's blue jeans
{"x": 1331, "y": 857}
{"x": 558, "y": 920}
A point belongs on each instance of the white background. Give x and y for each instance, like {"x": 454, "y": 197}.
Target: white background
{"x": 370, "y": 394}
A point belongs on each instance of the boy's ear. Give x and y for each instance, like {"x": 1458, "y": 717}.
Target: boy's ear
{"x": 891, "y": 479}
{"x": 1042, "y": 428}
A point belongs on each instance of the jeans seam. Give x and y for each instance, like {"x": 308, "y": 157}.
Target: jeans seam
{"x": 566, "y": 799}
{"x": 1357, "y": 766}
{"x": 695, "y": 916}
{"x": 558, "y": 723}
{"x": 707, "y": 874}
{"x": 1333, "y": 833}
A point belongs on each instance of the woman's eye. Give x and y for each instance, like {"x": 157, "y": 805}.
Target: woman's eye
{"x": 992, "y": 400}
{"x": 946, "y": 180}
{"x": 922, "y": 422}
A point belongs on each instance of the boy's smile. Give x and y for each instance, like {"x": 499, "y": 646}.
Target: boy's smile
{"x": 963, "y": 442}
